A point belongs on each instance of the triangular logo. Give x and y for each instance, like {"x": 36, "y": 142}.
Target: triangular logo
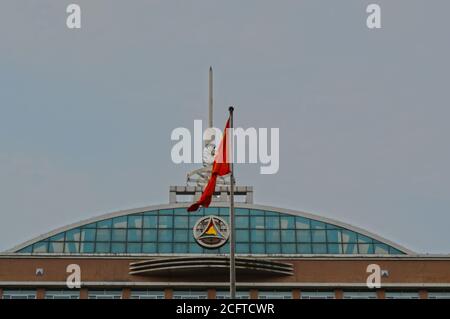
{"x": 211, "y": 230}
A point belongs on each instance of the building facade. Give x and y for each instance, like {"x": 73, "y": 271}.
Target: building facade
{"x": 152, "y": 253}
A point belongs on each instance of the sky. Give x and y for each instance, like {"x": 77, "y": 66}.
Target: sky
{"x": 86, "y": 115}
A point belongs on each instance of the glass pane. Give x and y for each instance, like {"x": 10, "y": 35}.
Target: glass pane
{"x": 28, "y": 249}
{"x": 288, "y": 235}
{"x": 256, "y": 212}
{"x": 304, "y": 236}
{"x": 350, "y": 248}
{"x": 104, "y": 223}
{"x": 149, "y": 248}
{"x": 225, "y": 249}
{"x": 287, "y": 222}
{"x": 103, "y": 235}
{"x": 257, "y": 248}
{"x": 257, "y": 235}
{"x": 102, "y": 247}
{"x": 365, "y": 248}
{"x": 394, "y": 251}
{"x": 272, "y": 222}
{"x": 180, "y": 235}
{"x": 319, "y": 248}
{"x": 181, "y": 222}
{"x": 150, "y": 221}
{"x": 302, "y": 223}
{"x": 165, "y": 221}
{"x": 134, "y": 248}
{"x": 224, "y": 211}
{"x": 135, "y": 221}
{"x": 334, "y": 236}
{"x": 149, "y": 235}
{"x": 165, "y": 248}
{"x": 273, "y": 248}
{"x": 242, "y": 248}
{"x": 166, "y": 211}
{"x": 165, "y": 235}
{"x": 72, "y": 247}
{"x": 304, "y": 249}
{"x": 257, "y": 222}
{"x": 317, "y": 225}
{"x": 88, "y": 234}
{"x": 134, "y": 235}
{"x": 120, "y": 222}
{"x": 183, "y": 211}
{"x": 273, "y": 236}
{"x": 92, "y": 225}
{"x": 86, "y": 247}
{"x": 242, "y": 222}
{"x": 318, "y": 236}
{"x": 364, "y": 239}
{"x": 40, "y": 247}
{"x": 73, "y": 235}
{"x": 192, "y": 221}
{"x": 288, "y": 248}
{"x": 56, "y": 247}
{"x": 118, "y": 248}
{"x": 119, "y": 234}
{"x": 334, "y": 249}
{"x": 241, "y": 211}
{"x": 242, "y": 235}
{"x": 195, "y": 248}
{"x": 348, "y": 236}
{"x": 381, "y": 248}
{"x": 180, "y": 248}
{"x": 57, "y": 237}
{"x": 269, "y": 213}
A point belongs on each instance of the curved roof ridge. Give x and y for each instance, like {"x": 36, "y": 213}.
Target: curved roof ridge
{"x": 182, "y": 205}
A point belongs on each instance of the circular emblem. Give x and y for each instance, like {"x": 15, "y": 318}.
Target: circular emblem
{"x": 211, "y": 232}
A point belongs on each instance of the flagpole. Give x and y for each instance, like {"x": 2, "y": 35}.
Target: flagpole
{"x": 232, "y": 232}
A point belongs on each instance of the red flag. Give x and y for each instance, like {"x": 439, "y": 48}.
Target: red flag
{"x": 220, "y": 167}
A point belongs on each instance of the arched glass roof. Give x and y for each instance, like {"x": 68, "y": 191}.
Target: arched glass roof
{"x": 168, "y": 230}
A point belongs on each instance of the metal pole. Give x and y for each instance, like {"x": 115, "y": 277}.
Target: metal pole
{"x": 232, "y": 232}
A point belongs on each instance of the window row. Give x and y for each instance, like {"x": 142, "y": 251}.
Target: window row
{"x": 182, "y": 248}
{"x": 169, "y": 231}
{"x": 220, "y": 294}
{"x": 183, "y": 235}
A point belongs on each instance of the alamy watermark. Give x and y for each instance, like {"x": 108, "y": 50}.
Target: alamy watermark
{"x": 251, "y": 146}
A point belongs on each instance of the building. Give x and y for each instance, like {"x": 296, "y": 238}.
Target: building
{"x": 151, "y": 253}
{"x": 159, "y": 252}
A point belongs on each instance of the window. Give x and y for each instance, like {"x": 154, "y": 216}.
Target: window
{"x": 225, "y": 294}
{"x": 19, "y": 294}
{"x": 360, "y": 295}
{"x": 147, "y": 294}
{"x": 119, "y": 234}
{"x": 274, "y": 294}
{"x": 62, "y": 294}
{"x": 120, "y": 222}
{"x": 135, "y": 221}
{"x": 118, "y": 248}
{"x": 169, "y": 231}
{"x": 56, "y": 247}
{"x": 104, "y": 294}
{"x": 190, "y": 294}
{"x": 401, "y": 295}
{"x": 317, "y": 294}
{"x": 439, "y": 295}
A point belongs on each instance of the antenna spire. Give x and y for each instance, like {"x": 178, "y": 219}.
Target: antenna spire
{"x": 210, "y": 113}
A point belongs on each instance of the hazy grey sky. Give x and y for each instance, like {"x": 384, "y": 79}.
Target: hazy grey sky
{"x": 86, "y": 115}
